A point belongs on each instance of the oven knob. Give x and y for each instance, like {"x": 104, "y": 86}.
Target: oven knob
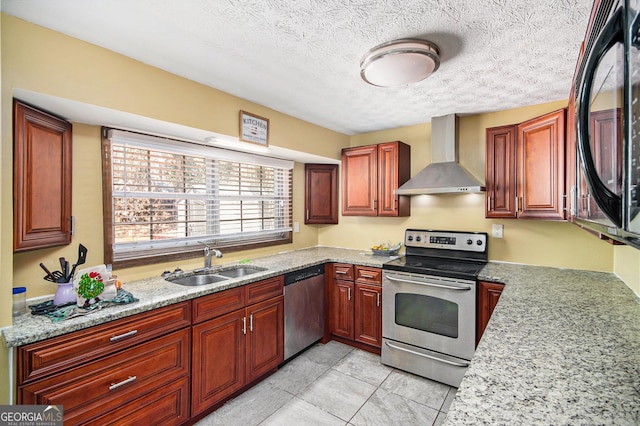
{"x": 479, "y": 242}
{"x": 469, "y": 242}
{"x": 410, "y": 238}
{"x": 418, "y": 238}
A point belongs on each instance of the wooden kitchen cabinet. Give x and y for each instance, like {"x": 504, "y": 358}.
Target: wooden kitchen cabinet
{"x": 370, "y": 174}
{"x": 108, "y": 373}
{"x": 342, "y": 309}
{"x": 368, "y": 314}
{"x": 356, "y": 304}
{"x": 239, "y": 338}
{"x": 525, "y": 169}
{"x": 42, "y": 172}
{"x": 321, "y": 194}
{"x": 488, "y": 296}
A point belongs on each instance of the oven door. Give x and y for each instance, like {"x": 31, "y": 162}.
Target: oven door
{"x": 438, "y": 314}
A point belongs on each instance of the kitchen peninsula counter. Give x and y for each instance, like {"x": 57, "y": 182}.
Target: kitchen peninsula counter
{"x": 156, "y": 292}
{"x": 562, "y": 348}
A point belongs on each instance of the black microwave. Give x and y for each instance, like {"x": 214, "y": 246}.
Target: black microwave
{"x": 607, "y": 88}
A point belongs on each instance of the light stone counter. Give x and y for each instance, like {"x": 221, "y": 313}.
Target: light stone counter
{"x": 562, "y": 348}
{"x": 157, "y": 292}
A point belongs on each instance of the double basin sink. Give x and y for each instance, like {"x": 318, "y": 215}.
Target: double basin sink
{"x": 209, "y": 276}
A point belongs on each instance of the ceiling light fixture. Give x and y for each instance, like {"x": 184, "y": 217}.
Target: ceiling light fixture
{"x": 400, "y": 62}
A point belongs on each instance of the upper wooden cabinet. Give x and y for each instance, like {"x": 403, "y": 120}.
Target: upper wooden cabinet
{"x": 525, "y": 169}
{"x": 321, "y": 194}
{"x": 370, "y": 174}
{"x": 41, "y": 179}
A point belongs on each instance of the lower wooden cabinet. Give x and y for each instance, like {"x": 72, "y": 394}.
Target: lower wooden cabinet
{"x": 233, "y": 349}
{"x": 356, "y": 306}
{"x": 132, "y": 374}
{"x": 368, "y": 315}
{"x": 342, "y": 309}
{"x": 488, "y": 296}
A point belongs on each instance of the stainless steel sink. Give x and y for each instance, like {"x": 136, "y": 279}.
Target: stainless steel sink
{"x": 240, "y": 271}
{"x": 195, "y": 280}
{"x": 208, "y": 277}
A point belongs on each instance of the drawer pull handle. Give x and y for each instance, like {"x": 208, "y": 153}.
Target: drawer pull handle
{"x": 341, "y": 272}
{"x": 367, "y": 276}
{"x": 244, "y": 325}
{"x": 122, "y": 336}
{"x": 251, "y": 322}
{"x": 122, "y": 383}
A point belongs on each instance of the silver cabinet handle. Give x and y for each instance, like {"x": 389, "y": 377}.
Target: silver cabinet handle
{"x": 244, "y": 325}
{"x": 122, "y": 383}
{"x": 251, "y": 322}
{"x": 341, "y": 272}
{"x": 349, "y": 293}
{"x": 516, "y": 204}
{"x": 488, "y": 203}
{"x": 366, "y": 276}
{"x": 307, "y": 214}
{"x": 122, "y": 336}
{"x": 449, "y": 287}
{"x": 457, "y": 364}
{"x": 378, "y": 299}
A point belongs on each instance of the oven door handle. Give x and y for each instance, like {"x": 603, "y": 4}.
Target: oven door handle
{"x": 435, "y": 358}
{"x": 448, "y": 287}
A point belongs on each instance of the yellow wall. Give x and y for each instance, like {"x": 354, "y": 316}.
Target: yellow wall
{"x": 533, "y": 242}
{"x": 626, "y": 265}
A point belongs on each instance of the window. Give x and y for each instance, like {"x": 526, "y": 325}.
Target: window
{"x": 163, "y": 197}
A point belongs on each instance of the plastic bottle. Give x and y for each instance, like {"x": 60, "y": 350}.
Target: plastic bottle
{"x": 19, "y": 301}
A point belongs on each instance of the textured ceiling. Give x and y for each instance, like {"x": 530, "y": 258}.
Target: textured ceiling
{"x": 301, "y": 57}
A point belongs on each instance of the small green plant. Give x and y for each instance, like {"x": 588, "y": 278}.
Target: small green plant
{"x": 90, "y": 288}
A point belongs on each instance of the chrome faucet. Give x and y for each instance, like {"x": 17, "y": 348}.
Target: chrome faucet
{"x": 208, "y": 253}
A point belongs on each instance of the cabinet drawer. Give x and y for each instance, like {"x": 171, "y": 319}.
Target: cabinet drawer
{"x": 217, "y": 304}
{"x": 365, "y": 275}
{"x": 38, "y": 360}
{"x": 263, "y": 290}
{"x": 342, "y": 271}
{"x": 99, "y": 387}
{"x": 168, "y": 405}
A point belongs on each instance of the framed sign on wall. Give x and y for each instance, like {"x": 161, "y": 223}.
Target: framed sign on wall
{"x": 254, "y": 128}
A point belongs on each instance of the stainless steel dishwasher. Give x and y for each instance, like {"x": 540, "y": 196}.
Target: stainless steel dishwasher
{"x": 303, "y": 309}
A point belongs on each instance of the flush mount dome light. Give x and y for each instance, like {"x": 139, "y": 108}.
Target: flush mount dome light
{"x": 400, "y": 62}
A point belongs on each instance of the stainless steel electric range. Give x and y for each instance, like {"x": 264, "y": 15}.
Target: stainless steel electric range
{"x": 429, "y": 303}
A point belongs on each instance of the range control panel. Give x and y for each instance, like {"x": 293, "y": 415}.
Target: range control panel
{"x": 447, "y": 240}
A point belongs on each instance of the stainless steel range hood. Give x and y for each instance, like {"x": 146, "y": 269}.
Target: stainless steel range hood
{"x": 444, "y": 175}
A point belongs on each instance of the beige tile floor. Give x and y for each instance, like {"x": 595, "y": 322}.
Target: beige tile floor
{"x": 335, "y": 384}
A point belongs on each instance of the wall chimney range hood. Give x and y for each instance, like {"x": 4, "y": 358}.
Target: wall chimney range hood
{"x": 444, "y": 175}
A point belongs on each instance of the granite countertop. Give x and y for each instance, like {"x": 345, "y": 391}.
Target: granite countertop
{"x": 157, "y": 292}
{"x": 562, "y": 347}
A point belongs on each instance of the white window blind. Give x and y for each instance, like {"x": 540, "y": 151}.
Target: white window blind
{"x": 169, "y": 195}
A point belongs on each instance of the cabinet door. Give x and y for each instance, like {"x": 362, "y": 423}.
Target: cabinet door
{"x": 394, "y": 168}
{"x": 359, "y": 181}
{"x": 321, "y": 193}
{"x": 218, "y": 360}
{"x": 368, "y": 315}
{"x": 501, "y": 172}
{"x": 540, "y": 152}
{"x": 342, "y": 309}
{"x": 41, "y": 180}
{"x": 265, "y": 334}
{"x": 488, "y": 295}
